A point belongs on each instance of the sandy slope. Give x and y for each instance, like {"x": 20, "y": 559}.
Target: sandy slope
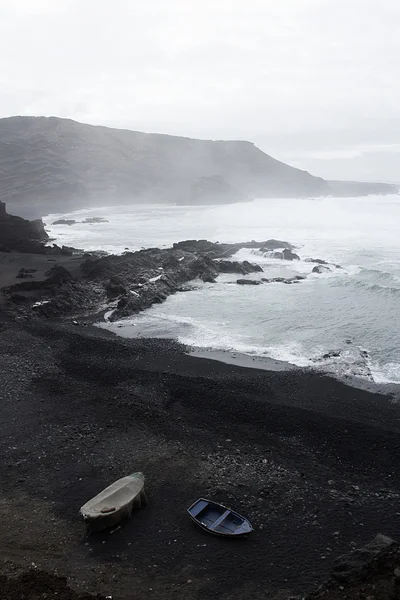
{"x": 313, "y": 464}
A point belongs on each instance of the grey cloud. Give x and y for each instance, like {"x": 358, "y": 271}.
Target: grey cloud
{"x": 299, "y": 77}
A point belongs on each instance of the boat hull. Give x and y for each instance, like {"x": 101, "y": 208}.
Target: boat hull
{"x": 218, "y": 519}
{"x": 115, "y": 503}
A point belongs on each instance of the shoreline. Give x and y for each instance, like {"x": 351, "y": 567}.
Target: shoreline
{"x": 271, "y": 364}
{"x": 242, "y": 360}
{"x": 293, "y": 451}
{"x": 263, "y": 363}
{"x": 310, "y": 459}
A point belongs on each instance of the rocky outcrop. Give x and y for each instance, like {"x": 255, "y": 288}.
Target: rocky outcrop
{"x": 321, "y": 269}
{"x": 286, "y": 254}
{"x": 58, "y": 275}
{"x": 320, "y": 261}
{"x": 115, "y": 287}
{"x": 371, "y": 572}
{"x": 133, "y": 281}
{"x": 244, "y": 268}
{"x": 276, "y": 245}
{"x": 223, "y": 250}
{"x": 64, "y": 222}
{"x": 93, "y": 220}
{"x": 35, "y": 584}
{"x": 317, "y": 261}
{"x": 287, "y": 280}
{"x": 19, "y": 234}
{"x": 25, "y": 273}
{"x": 248, "y": 282}
{"x": 88, "y": 220}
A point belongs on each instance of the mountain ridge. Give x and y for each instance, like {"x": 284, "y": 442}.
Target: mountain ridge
{"x": 49, "y": 164}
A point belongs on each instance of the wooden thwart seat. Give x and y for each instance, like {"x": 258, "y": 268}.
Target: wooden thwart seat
{"x": 221, "y": 518}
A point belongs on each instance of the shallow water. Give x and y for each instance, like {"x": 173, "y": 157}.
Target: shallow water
{"x": 351, "y": 310}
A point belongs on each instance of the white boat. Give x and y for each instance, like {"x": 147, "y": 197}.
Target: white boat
{"x": 114, "y": 503}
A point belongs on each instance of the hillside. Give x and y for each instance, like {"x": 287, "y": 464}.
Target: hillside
{"x": 53, "y": 165}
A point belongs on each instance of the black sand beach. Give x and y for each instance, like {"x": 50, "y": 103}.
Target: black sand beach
{"x": 312, "y": 462}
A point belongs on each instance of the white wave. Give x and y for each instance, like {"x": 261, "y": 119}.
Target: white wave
{"x": 386, "y": 373}
{"x": 296, "y": 324}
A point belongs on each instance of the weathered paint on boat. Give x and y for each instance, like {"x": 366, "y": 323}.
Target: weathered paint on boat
{"x": 114, "y": 503}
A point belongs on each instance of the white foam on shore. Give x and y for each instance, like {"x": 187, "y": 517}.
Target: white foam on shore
{"x": 187, "y": 331}
{"x": 293, "y": 323}
{"x": 386, "y": 373}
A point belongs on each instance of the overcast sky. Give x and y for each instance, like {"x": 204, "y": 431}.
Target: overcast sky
{"x": 315, "y": 83}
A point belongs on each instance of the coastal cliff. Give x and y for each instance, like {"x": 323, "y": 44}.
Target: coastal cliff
{"x": 20, "y": 234}
{"x": 58, "y": 165}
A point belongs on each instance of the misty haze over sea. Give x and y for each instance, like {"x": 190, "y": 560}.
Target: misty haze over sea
{"x": 350, "y": 311}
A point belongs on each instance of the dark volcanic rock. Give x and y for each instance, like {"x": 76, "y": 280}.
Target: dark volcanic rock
{"x": 370, "y": 572}
{"x": 64, "y": 222}
{"x": 350, "y": 566}
{"x": 136, "y": 279}
{"x": 95, "y": 220}
{"x": 65, "y": 250}
{"x": 248, "y": 282}
{"x": 252, "y": 267}
{"x": 115, "y": 287}
{"x": 37, "y": 227}
{"x": 276, "y": 245}
{"x": 217, "y": 250}
{"x": 149, "y": 276}
{"x": 285, "y": 255}
{"x": 318, "y": 261}
{"x": 25, "y": 273}
{"x": 18, "y": 298}
{"x": 288, "y": 280}
{"x": 19, "y": 234}
{"x": 207, "y": 277}
{"x": 35, "y": 584}
{"x": 244, "y": 268}
{"x": 321, "y": 269}
{"x": 58, "y": 275}
{"x": 332, "y": 354}
{"x": 199, "y": 246}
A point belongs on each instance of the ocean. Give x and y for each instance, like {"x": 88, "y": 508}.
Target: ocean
{"x": 352, "y": 313}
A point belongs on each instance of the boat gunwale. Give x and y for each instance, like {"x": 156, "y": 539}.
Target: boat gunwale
{"x": 219, "y": 533}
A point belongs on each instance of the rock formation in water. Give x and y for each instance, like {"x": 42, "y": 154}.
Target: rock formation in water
{"x": 321, "y": 269}
{"x": 285, "y": 254}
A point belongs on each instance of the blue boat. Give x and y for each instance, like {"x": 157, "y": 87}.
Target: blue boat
{"x": 218, "y": 519}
